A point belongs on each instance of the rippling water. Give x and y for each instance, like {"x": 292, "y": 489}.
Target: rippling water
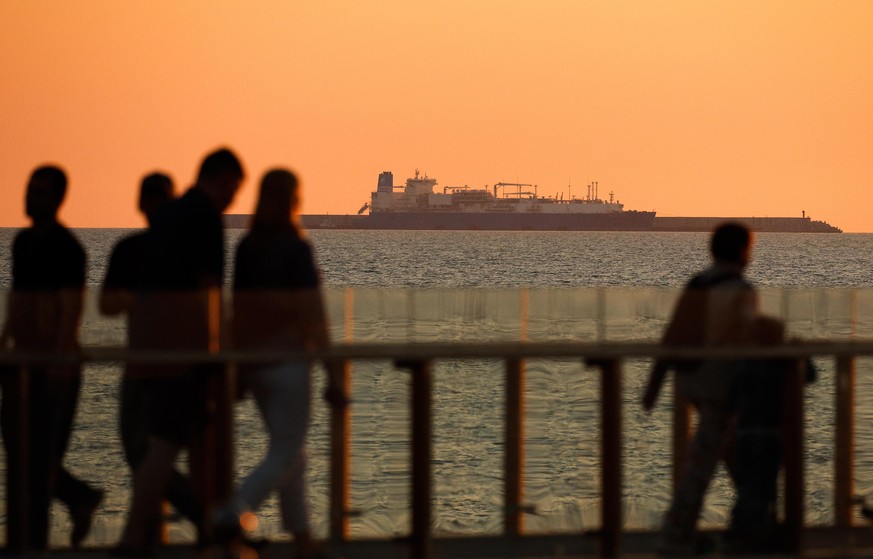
{"x": 482, "y": 285}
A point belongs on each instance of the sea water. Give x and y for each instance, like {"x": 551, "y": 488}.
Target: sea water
{"x": 503, "y": 286}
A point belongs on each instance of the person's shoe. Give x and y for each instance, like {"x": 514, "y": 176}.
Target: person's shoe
{"x": 225, "y": 527}
{"x": 83, "y": 516}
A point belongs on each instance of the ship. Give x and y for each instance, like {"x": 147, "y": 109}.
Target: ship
{"x": 419, "y": 205}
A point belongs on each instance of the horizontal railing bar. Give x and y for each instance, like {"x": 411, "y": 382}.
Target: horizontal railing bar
{"x": 448, "y": 350}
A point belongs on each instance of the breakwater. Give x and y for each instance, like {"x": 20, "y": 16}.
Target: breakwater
{"x": 667, "y": 224}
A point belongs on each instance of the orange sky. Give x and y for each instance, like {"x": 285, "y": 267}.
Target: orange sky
{"x": 691, "y": 107}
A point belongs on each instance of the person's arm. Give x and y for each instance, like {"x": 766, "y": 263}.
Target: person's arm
{"x": 71, "y": 299}
{"x": 314, "y": 328}
{"x": 71, "y": 303}
{"x": 654, "y": 384}
{"x": 682, "y": 329}
{"x": 114, "y": 299}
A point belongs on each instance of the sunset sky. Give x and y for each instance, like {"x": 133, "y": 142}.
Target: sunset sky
{"x": 699, "y": 108}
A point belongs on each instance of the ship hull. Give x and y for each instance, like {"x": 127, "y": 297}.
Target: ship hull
{"x": 625, "y": 221}
{"x": 485, "y": 221}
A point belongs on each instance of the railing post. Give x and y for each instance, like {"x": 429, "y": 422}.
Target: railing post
{"x": 339, "y": 463}
{"x": 226, "y": 400}
{"x": 611, "y": 467}
{"x": 844, "y": 451}
{"x": 340, "y": 430}
{"x": 212, "y": 456}
{"x": 514, "y": 448}
{"x": 793, "y": 458}
{"x": 214, "y": 465}
{"x": 422, "y": 451}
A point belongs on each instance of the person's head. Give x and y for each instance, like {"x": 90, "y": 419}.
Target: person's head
{"x": 220, "y": 176}
{"x": 155, "y": 190}
{"x": 731, "y": 243}
{"x": 277, "y": 200}
{"x": 45, "y": 193}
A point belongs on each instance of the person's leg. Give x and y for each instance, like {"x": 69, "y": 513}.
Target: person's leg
{"x": 292, "y": 504}
{"x": 282, "y": 394}
{"x": 40, "y": 457}
{"x": 81, "y": 499}
{"x": 11, "y": 426}
{"x": 753, "y": 519}
{"x": 134, "y": 430}
{"x": 292, "y": 487}
{"x": 133, "y": 419}
{"x": 182, "y": 497}
{"x": 149, "y": 487}
{"x": 707, "y": 448}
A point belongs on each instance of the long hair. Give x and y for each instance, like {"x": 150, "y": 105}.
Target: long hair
{"x": 277, "y": 200}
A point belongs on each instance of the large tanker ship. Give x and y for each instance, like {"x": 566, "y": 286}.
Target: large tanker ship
{"x": 502, "y": 207}
{"x": 418, "y": 204}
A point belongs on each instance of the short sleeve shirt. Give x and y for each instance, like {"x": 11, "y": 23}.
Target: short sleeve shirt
{"x": 270, "y": 266}
{"x": 44, "y": 262}
{"x": 185, "y": 245}
{"x": 47, "y": 260}
{"x": 275, "y": 261}
{"x": 183, "y": 254}
{"x": 125, "y": 263}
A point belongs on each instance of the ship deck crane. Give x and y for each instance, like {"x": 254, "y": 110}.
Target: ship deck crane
{"x": 519, "y": 193}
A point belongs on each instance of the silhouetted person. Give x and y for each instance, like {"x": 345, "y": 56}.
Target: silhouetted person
{"x": 45, "y": 308}
{"x": 759, "y": 395}
{"x": 278, "y": 305}
{"x": 179, "y": 304}
{"x": 718, "y": 307}
{"x": 122, "y": 281}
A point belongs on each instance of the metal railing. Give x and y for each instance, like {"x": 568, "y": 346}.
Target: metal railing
{"x": 606, "y": 358}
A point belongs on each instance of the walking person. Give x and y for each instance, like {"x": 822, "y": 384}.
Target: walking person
{"x": 179, "y": 304}
{"x": 717, "y": 308}
{"x": 121, "y": 283}
{"x": 278, "y": 305}
{"x": 45, "y": 309}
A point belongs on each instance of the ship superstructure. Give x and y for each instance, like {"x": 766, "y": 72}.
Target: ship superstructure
{"x": 421, "y": 204}
{"x": 419, "y": 195}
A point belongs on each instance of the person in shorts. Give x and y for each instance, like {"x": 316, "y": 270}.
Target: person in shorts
{"x": 178, "y": 308}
